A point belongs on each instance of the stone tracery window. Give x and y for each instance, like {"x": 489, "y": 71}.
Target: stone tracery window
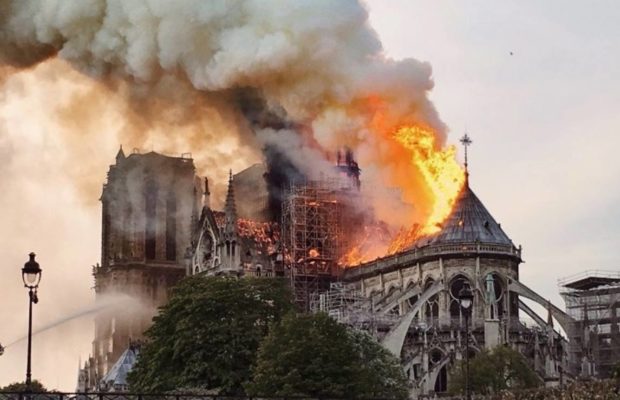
{"x": 456, "y": 285}
{"x": 431, "y": 310}
{"x": 412, "y": 300}
{"x": 435, "y": 356}
{"x": 441, "y": 382}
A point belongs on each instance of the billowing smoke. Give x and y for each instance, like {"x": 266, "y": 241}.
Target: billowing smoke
{"x": 229, "y": 80}
{"x": 317, "y": 62}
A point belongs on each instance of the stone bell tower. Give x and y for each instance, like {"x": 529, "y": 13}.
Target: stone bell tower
{"x": 149, "y": 205}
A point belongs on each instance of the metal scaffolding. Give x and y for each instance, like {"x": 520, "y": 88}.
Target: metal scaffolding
{"x": 313, "y": 236}
{"x": 349, "y": 306}
{"x": 593, "y": 299}
{"x": 344, "y": 304}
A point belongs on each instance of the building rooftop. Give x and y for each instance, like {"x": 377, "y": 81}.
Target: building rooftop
{"x": 469, "y": 222}
{"x": 590, "y": 279}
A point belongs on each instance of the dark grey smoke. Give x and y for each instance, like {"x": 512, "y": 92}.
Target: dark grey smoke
{"x": 281, "y": 170}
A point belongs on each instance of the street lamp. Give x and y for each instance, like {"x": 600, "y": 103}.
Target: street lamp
{"x": 31, "y": 275}
{"x": 466, "y": 299}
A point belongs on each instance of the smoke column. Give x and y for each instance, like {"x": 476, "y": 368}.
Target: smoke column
{"x": 318, "y": 61}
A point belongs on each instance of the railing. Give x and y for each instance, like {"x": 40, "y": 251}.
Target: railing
{"x": 416, "y": 254}
{"x": 446, "y": 322}
{"x": 151, "y": 396}
{"x": 113, "y": 262}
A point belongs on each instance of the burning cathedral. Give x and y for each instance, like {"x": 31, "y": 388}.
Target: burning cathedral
{"x": 158, "y": 226}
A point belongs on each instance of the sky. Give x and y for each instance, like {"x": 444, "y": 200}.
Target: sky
{"x": 544, "y": 119}
{"x": 533, "y": 83}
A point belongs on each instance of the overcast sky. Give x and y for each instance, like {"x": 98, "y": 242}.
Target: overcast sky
{"x": 544, "y": 121}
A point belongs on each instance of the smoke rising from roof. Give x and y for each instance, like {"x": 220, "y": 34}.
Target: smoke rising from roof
{"x": 317, "y": 61}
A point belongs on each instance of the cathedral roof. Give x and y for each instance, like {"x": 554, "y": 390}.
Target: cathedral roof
{"x": 469, "y": 221}
{"x": 117, "y": 375}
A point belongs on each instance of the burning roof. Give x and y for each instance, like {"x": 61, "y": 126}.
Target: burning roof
{"x": 469, "y": 221}
{"x": 263, "y": 237}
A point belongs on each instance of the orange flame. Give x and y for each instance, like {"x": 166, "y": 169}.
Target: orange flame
{"x": 443, "y": 176}
{"x": 434, "y": 193}
{"x": 369, "y": 244}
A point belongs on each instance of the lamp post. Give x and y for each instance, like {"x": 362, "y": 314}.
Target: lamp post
{"x": 466, "y": 299}
{"x": 31, "y": 275}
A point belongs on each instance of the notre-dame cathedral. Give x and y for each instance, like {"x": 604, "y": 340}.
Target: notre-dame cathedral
{"x": 158, "y": 226}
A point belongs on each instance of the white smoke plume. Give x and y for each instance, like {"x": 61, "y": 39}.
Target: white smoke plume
{"x": 318, "y": 60}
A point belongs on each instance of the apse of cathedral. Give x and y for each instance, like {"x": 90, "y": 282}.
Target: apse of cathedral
{"x": 413, "y": 300}
{"x": 158, "y": 226}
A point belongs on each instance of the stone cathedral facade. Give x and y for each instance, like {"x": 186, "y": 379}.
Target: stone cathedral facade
{"x": 158, "y": 226}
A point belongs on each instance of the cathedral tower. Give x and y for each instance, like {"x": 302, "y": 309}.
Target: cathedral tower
{"x": 149, "y": 204}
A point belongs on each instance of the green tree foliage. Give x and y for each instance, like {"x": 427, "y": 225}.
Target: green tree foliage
{"x": 208, "y": 334}
{"x": 615, "y": 371}
{"x": 18, "y": 387}
{"x": 313, "y": 355}
{"x": 492, "y": 371}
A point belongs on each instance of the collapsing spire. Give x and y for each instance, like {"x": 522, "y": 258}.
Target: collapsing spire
{"x": 230, "y": 209}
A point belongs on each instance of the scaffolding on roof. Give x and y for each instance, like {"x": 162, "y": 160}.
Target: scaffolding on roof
{"x": 313, "y": 233}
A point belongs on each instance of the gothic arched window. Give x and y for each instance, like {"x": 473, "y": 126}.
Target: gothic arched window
{"x": 456, "y": 285}
{"x": 431, "y": 310}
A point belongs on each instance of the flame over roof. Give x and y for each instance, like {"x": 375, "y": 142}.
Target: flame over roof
{"x": 468, "y": 222}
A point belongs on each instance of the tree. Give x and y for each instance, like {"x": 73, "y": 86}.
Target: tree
{"x": 615, "y": 371}
{"x": 208, "y": 334}
{"x": 383, "y": 376}
{"x": 315, "y": 356}
{"x": 20, "y": 387}
{"x": 492, "y": 371}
